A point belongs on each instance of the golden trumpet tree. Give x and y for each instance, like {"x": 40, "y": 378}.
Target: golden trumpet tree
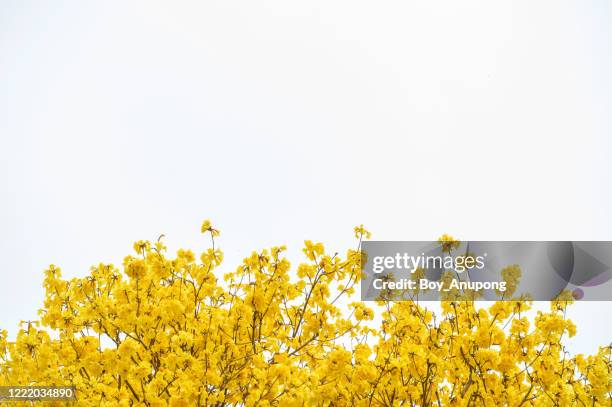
{"x": 173, "y": 331}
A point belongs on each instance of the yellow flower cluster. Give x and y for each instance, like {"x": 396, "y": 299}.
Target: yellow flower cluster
{"x": 168, "y": 331}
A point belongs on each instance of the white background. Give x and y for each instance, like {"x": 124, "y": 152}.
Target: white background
{"x": 283, "y": 121}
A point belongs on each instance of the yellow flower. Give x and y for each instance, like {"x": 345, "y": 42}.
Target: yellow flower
{"x": 207, "y": 227}
{"x": 448, "y": 243}
{"x": 360, "y": 232}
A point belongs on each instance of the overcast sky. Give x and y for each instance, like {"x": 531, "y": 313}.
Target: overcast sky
{"x": 283, "y": 121}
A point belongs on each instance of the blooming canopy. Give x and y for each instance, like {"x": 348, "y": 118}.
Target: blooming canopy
{"x": 169, "y": 331}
